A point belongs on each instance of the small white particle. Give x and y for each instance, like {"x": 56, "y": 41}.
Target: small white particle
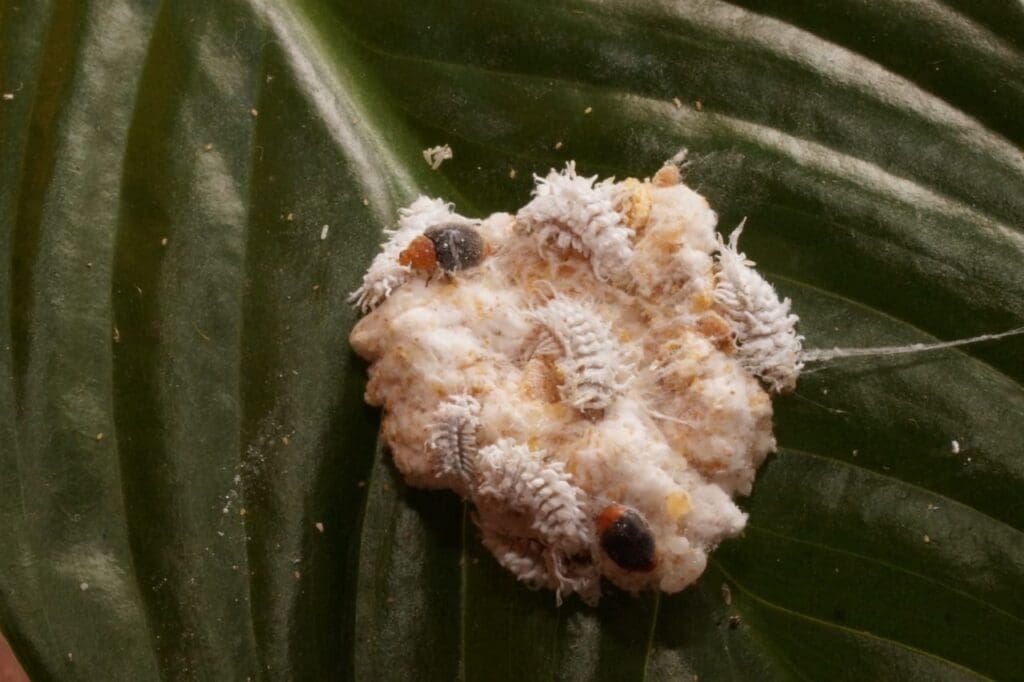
{"x": 558, "y": 145}
{"x": 677, "y": 103}
{"x": 8, "y": 96}
{"x": 588, "y": 110}
{"x": 435, "y": 156}
{"x": 927, "y": 540}
{"x": 84, "y": 586}
{"x": 512, "y": 173}
{"x": 323, "y": 232}
{"x": 319, "y": 526}
{"x": 254, "y": 113}
{"x": 955, "y": 447}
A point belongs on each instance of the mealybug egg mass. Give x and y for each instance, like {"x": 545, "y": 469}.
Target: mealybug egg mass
{"x": 611, "y": 347}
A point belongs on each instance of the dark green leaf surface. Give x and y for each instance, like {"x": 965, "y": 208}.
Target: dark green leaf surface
{"x": 190, "y": 485}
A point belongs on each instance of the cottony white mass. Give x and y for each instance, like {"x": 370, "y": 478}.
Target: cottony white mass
{"x": 593, "y": 374}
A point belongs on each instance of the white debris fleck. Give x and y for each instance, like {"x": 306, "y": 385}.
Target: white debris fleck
{"x": 435, "y": 156}
{"x": 8, "y": 96}
{"x": 323, "y": 232}
{"x": 83, "y": 586}
{"x": 954, "y": 447}
{"x": 319, "y": 526}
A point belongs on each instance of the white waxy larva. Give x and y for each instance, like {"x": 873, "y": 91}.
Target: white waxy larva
{"x": 572, "y": 212}
{"x": 587, "y": 353}
{"x": 523, "y": 557}
{"x": 453, "y": 437}
{"x": 764, "y": 329}
{"x": 541, "y": 566}
{"x": 511, "y": 478}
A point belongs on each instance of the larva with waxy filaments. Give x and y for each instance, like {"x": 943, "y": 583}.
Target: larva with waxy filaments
{"x": 510, "y": 475}
{"x": 764, "y": 328}
{"x": 453, "y": 437}
{"x": 586, "y": 353}
{"x": 523, "y": 557}
{"x": 510, "y": 478}
{"x": 573, "y": 212}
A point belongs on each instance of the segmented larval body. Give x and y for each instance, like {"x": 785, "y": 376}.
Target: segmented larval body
{"x": 587, "y": 354}
{"x": 595, "y": 358}
{"x": 453, "y": 437}
{"x": 764, "y": 328}
{"x": 572, "y": 212}
{"x": 522, "y": 557}
{"x": 525, "y": 482}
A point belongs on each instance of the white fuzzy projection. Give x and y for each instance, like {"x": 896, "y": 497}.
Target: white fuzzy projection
{"x": 592, "y": 374}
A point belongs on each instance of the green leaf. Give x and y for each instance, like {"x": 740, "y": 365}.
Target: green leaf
{"x": 190, "y": 484}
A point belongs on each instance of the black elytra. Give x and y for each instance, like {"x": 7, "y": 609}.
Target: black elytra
{"x": 457, "y": 246}
{"x": 628, "y": 542}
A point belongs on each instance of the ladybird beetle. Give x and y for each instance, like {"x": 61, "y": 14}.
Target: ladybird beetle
{"x": 450, "y": 247}
{"x": 626, "y": 538}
